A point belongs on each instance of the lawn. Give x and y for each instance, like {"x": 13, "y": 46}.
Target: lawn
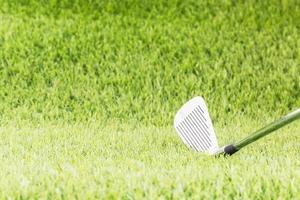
{"x": 89, "y": 90}
{"x": 132, "y": 162}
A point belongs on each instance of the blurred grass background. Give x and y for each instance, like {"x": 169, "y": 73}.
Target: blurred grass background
{"x": 140, "y": 60}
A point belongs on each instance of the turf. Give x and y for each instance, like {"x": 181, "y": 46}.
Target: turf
{"x": 89, "y": 89}
{"x": 132, "y": 162}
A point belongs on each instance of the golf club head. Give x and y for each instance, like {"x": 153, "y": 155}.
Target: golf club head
{"x": 194, "y": 126}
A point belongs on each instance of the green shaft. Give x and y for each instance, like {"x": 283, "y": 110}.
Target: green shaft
{"x": 268, "y": 129}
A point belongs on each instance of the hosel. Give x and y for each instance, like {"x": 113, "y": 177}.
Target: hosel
{"x": 230, "y": 149}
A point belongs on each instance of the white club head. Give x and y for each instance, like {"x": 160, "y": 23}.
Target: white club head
{"x": 194, "y": 126}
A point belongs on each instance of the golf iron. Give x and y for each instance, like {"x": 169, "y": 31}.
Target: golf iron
{"x": 194, "y": 126}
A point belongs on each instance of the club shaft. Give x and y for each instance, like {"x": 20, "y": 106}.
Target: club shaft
{"x": 268, "y": 129}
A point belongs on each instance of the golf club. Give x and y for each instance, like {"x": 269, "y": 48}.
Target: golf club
{"x": 194, "y": 126}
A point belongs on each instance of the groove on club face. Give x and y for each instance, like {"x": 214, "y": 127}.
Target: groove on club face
{"x": 194, "y": 126}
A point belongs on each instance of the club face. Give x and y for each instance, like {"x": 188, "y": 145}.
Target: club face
{"x": 193, "y": 124}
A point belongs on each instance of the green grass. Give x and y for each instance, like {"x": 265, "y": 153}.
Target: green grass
{"x": 125, "y": 161}
{"x": 104, "y": 62}
{"x": 89, "y": 89}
